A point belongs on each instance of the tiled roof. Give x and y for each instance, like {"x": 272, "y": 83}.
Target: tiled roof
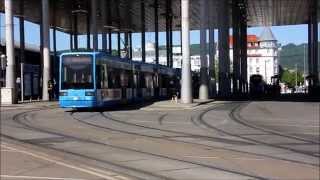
{"x": 250, "y": 39}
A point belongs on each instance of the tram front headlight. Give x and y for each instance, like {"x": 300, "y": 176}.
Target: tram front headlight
{"x": 63, "y": 94}
{"x": 90, "y": 93}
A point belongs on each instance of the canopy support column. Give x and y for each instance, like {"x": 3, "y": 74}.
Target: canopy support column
{"x": 10, "y": 69}
{"x": 156, "y": 27}
{"x": 224, "y": 59}
{"x": 212, "y": 52}
{"x": 119, "y": 44}
{"x": 22, "y": 48}
{"x": 88, "y": 26}
{"x": 313, "y": 71}
{"x": 236, "y": 48}
{"x": 130, "y": 45}
{"x": 203, "y": 90}
{"x": 143, "y": 32}
{"x": 186, "y": 91}
{"x": 104, "y": 21}
{"x": 243, "y": 47}
{"x": 126, "y": 44}
{"x": 167, "y": 14}
{"x": 75, "y": 31}
{"x": 94, "y": 24}
{"x": 46, "y": 49}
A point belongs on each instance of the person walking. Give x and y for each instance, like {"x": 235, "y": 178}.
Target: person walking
{"x": 50, "y": 89}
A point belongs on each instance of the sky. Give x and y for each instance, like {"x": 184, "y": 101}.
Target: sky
{"x": 296, "y": 34}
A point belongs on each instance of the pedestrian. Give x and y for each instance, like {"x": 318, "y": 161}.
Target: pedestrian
{"x": 50, "y": 89}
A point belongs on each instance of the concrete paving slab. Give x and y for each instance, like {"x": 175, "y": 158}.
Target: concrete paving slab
{"x": 158, "y": 164}
{"x": 26, "y": 164}
{"x": 202, "y": 146}
{"x": 203, "y": 174}
{"x": 172, "y": 105}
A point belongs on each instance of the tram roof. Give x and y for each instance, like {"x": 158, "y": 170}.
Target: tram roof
{"x": 260, "y": 13}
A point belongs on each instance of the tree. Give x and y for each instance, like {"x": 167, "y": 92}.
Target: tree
{"x": 289, "y": 78}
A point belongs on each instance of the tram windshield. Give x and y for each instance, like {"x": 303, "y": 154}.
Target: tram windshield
{"x": 77, "y": 72}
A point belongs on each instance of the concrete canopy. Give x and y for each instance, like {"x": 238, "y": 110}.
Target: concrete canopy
{"x": 125, "y": 14}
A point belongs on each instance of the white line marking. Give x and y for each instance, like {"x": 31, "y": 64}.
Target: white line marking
{"x": 291, "y": 125}
{"x": 309, "y": 133}
{"x": 102, "y": 175}
{"x": 101, "y": 171}
{"x": 249, "y": 159}
{"x": 157, "y": 122}
{"x": 204, "y": 157}
{"x": 36, "y": 177}
{"x": 7, "y": 150}
{"x": 232, "y": 158}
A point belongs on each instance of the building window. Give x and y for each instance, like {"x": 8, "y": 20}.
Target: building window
{"x": 197, "y": 62}
{"x": 258, "y": 70}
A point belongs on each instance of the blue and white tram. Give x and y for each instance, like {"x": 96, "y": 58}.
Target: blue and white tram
{"x": 95, "y": 79}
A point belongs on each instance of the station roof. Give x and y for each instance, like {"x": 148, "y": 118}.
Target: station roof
{"x": 125, "y": 14}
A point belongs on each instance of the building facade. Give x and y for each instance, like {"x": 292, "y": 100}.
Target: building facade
{"x": 263, "y": 52}
{"x": 263, "y": 55}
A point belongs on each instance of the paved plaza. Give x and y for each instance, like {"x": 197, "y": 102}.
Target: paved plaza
{"x": 210, "y": 140}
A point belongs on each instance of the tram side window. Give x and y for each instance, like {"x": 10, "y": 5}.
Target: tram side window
{"x": 102, "y": 76}
{"x": 164, "y": 81}
{"x": 155, "y": 81}
{"x": 148, "y": 80}
{"x": 124, "y": 76}
{"x": 113, "y": 78}
{"x": 131, "y": 80}
{"x": 142, "y": 81}
{"x": 105, "y": 76}
{"x": 99, "y": 76}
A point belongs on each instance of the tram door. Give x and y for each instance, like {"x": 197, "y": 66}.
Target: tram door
{"x": 124, "y": 81}
{"x": 135, "y": 83}
{"x": 156, "y": 78}
{"x": 141, "y": 84}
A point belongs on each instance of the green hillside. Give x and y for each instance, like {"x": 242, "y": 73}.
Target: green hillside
{"x": 292, "y": 54}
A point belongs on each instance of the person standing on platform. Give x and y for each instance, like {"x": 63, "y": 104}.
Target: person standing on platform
{"x": 50, "y": 90}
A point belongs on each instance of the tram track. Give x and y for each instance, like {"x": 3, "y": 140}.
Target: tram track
{"x": 130, "y": 172}
{"x": 22, "y": 119}
{"x": 235, "y": 116}
{"x": 109, "y": 117}
{"x": 201, "y": 120}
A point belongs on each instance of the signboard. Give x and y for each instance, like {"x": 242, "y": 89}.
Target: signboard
{"x": 31, "y": 79}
